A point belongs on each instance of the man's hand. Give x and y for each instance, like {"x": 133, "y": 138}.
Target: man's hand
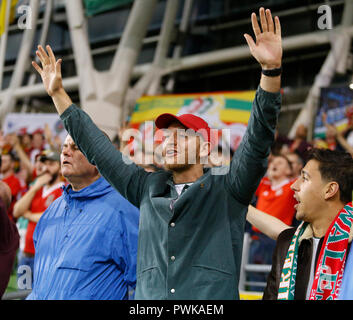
{"x": 50, "y": 71}
{"x": 268, "y": 47}
{"x": 42, "y": 180}
{"x": 52, "y": 79}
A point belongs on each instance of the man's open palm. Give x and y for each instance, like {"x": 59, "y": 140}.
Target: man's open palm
{"x": 267, "y": 49}
{"x": 50, "y": 71}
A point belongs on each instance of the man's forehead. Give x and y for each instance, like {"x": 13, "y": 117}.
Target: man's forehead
{"x": 311, "y": 167}
{"x": 68, "y": 140}
{"x": 176, "y": 125}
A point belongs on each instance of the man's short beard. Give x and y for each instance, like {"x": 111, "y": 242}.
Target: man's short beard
{"x": 177, "y": 167}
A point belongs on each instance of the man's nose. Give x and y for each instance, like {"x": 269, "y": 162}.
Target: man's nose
{"x": 294, "y": 185}
{"x": 65, "y": 151}
{"x": 171, "y": 139}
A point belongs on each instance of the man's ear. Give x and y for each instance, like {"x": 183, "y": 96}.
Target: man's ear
{"x": 205, "y": 149}
{"x": 331, "y": 190}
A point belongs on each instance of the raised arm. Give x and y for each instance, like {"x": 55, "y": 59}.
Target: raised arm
{"x": 338, "y": 135}
{"x": 343, "y": 142}
{"x": 249, "y": 163}
{"x": 23, "y": 205}
{"x": 21, "y": 153}
{"x": 128, "y": 179}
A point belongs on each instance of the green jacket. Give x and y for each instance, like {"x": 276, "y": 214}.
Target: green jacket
{"x": 190, "y": 247}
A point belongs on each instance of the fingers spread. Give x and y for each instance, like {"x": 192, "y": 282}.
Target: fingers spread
{"x": 255, "y": 24}
{"x": 58, "y": 67}
{"x": 51, "y": 55}
{"x": 43, "y": 55}
{"x": 278, "y": 26}
{"x": 41, "y": 58}
{"x": 250, "y": 41}
{"x": 269, "y": 20}
{"x": 263, "y": 20}
{"x": 35, "y": 65}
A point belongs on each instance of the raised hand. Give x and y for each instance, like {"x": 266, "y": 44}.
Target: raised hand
{"x": 267, "y": 49}
{"x": 42, "y": 180}
{"x": 50, "y": 71}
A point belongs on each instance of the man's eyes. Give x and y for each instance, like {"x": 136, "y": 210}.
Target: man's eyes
{"x": 72, "y": 147}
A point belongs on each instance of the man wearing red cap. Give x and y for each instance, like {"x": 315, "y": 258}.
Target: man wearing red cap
{"x": 191, "y": 221}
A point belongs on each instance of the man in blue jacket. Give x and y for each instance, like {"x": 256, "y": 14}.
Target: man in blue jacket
{"x": 86, "y": 241}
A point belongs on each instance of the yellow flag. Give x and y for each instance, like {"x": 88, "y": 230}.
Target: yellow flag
{"x": 3, "y": 14}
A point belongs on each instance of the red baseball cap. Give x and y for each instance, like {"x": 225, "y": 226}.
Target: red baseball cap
{"x": 188, "y": 120}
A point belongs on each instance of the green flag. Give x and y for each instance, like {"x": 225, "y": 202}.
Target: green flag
{"x": 97, "y": 6}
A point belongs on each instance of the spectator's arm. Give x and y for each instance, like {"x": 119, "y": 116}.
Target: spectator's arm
{"x": 267, "y": 224}
{"x": 249, "y": 163}
{"x": 128, "y": 179}
{"x": 50, "y": 140}
{"x": 339, "y": 135}
{"x": 117, "y": 169}
{"x": 21, "y": 154}
{"x": 34, "y": 217}
{"x": 24, "y": 204}
{"x": 343, "y": 142}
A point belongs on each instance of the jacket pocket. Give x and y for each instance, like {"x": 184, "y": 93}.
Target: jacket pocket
{"x": 150, "y": 284}
{"x": 211, "y": 273}
{"x": 147, "y": 275}
{"x": 213, "y": 283}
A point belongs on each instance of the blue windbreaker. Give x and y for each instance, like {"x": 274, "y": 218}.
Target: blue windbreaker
{"x": 86, "y": 246}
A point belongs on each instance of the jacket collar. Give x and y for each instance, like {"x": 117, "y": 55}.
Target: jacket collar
{"x": 95, "y": 189}
{"x": 170, "y": 181}
{"x": 308, "y": 234}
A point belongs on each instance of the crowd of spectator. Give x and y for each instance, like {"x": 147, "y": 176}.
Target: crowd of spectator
{"x": 24, "y": 158}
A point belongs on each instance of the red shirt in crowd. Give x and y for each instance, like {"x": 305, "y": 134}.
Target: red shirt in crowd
{"x": 41, "y": 201}
{"x": 15, "y": 185}
{"x": 277, "y": 201}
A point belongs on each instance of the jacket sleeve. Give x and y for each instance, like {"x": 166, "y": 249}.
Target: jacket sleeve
{"x": 128, "y": 179}
{"x": 249, "y": 162}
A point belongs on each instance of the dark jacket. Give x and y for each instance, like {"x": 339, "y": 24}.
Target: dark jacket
{"x": 9, "y": 243}
{"x": 303, "y": 267}
{"x": 189, "y": 247}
